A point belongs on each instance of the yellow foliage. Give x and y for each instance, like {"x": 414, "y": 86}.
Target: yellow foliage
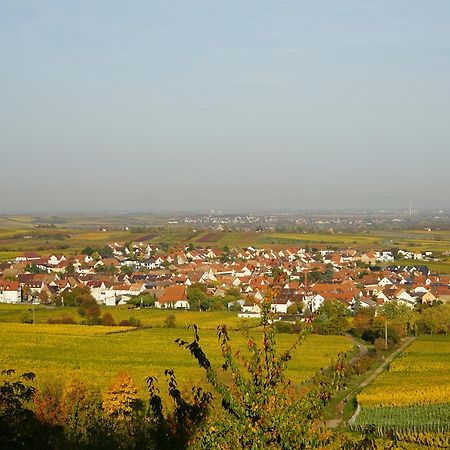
{"x": 121, "y": 398}
{"x": 418, "y": 377}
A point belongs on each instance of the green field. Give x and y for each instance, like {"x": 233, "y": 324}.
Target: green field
{"x": 414, "y": 392}
{"x": 57, "y": 352}
{"x": 420, "y": 418}
{"x": 149, "y": 317}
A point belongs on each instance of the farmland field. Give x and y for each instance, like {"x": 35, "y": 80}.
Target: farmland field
{"x": 89, "y": 353}
{"x": 415, "y": 391}
{"x": 71, "y": 234}
{"x": 149, "y": 317}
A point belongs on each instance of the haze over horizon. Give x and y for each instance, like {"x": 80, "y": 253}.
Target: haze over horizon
{"x": 257, "y": 105}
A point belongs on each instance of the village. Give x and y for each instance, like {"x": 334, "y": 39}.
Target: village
{"x": 235, "y": 279}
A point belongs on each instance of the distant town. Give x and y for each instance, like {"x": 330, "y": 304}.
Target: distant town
{"x": 194, "y": 277}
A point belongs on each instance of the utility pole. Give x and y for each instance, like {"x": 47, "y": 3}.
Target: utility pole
{"x": 385, "y": 333}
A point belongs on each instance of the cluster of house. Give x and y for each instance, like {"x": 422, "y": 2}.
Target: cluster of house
{"x": 354, "y": 278}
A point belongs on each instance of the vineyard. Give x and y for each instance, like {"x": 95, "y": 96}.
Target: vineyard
{"x": 92, "y": 354}
{"x": 411, "y": 401}
{"x": 418, "y": 418}
{"x": 418, "y": 376}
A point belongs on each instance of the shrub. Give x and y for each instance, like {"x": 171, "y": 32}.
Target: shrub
{"x": 47, "y": 403}
{"x": 170, "y": 321}
{"x": 67, "y": 320}
{"x": 108, "y": 320}
{"x": 135, "y": 322}
{"x": 283, "y": 327}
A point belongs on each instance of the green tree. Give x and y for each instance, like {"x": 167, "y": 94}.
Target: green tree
{"x": 87, "y": 251}
{"x": 126, "y": 270}
{"x": 196, "y": 295}
{"x": 435, "y": 320}
{"x": 106, "y": 252}
{"x": 401, "y": 316}
{"x": 87, "y": 305}
{"x": 19, "y": 427}
{"x": 331, "y": 318}
{"x": 33, "y": 268}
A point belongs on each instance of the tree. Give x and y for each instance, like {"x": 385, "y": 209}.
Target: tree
{"x": 108, "y": 320}
{"x": 96, "y": 255}
{"x": 126, "y": 270}
{"x": 380, "y": 345}
{"x": 196, "y": 294}
{"x": 435, "y": 320}
{"x": 87, "y": 251}
{"x": 87, "y": 305}
{"x": 70, "y": 268}
{"x": 19, "y": 427}
{"x": 106, "y": 252}
{"x": 43, "y": 296}
{"x": 331, "y": 318}
{"x": 81, "y": 416}
{"x": 401, "y": 316}
{"x": 47, "y": 404}
{"x": 363, "y": 321}
{"x": 33, "y": 268}
{"x": 164, "y": 246}
{"x": 121, "y": 399}
{"x": 257, "y": 406}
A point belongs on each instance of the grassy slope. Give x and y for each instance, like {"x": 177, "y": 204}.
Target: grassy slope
{"x": 61, "y": 351}
{"x": 148, "y": 317}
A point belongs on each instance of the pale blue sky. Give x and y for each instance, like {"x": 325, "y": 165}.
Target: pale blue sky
{"x": 150, "y": 105}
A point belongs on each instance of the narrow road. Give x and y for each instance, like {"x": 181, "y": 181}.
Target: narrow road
{"x": 334, "y": 423}
{"x": 380, "y": 369}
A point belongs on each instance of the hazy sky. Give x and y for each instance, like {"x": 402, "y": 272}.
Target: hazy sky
{"x": 151, "y": 105}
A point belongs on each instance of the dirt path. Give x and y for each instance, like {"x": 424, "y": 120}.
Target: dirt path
{"x": 334, "y": 423}
{"x": 385, "y": 363}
